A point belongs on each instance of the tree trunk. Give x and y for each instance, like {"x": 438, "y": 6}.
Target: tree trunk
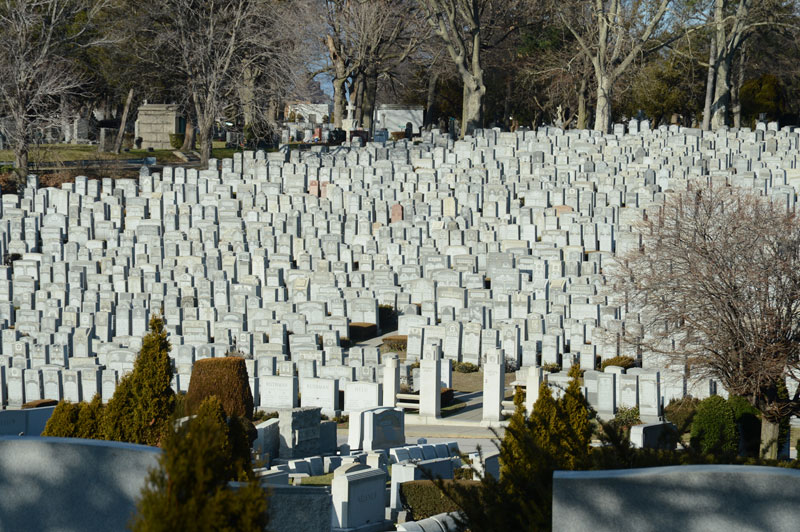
{"x": 736, "y": 103}
{"x": 357, "y": 99}
{"x": 722, "y": 63}
{"x": 602, "y": 117}
{"x": 21, "y": 159}
{"x": 123, "y": 123}
{"x": 188, "y": 138}
{"x": 722, "y": 94}
{"x": 338, "y": 102}
{"x": 370, "y": 91}
{"x": 430, "y": 105}
{"x": 712, "y": 76}
{"x": 769, "y": 439}
{"x": 21, "y": 147}
{"x": 582, "y": 117}
{"x": 471, "y": 112}
{"x": 204, "y": 134}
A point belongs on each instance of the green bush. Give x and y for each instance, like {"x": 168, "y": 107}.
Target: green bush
{"x": 63, "y": 420}
{"x": 190, "y": 491}
{"x": 141, "y": 407}
{"x": 680, "y": 412}
{"x": 714, "y": 427}
{"x": 226, "y": 378}
{"x": 623, "y": 362}
{"x": 424, "y": 499}
{"x": 748, "y": 424}
{"x": 627, "y": 416}
{"x": 76, "y": 420}
{"x": 176, "y": 140}
{"x": 90, "y": 419}
{"x": 551, "y": 367}
{"x": 465, "y": 367}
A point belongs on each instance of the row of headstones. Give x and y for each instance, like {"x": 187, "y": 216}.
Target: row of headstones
{"x": 615, "y": 388}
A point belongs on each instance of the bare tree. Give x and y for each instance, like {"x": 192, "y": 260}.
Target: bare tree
{"x": 468, "y": 28}
{"x": 716, "y": 286}
{"x": 458, "y": 24}
{"x": 732, "y": 23}
{"x": 36, "y": 67}
{"x": 612, "y": 34}
{"x": 214, "y": 47}
{"x": 364, "y": 40}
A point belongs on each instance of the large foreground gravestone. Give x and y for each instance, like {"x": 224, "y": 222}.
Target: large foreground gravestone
{"x": 708, "y": 498}
{"x": 70, "y": 484}
{"x": 359, "y": 499}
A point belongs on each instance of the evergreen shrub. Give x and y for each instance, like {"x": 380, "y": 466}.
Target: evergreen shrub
{"x": 227, "y": 379}
{"x": 714, "y": 427}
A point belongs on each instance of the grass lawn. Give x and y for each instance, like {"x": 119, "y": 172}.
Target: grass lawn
{"x": 55, "y": 153}
{"x": 320, "y": 480}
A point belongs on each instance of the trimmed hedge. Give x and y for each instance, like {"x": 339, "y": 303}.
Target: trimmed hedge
{"x": 360, "y": 332}
{"x": 38, "y": 403}
{"x": 424, "y": 499}
{"x": 623, "y": 362}
{"x": 226, "y": 378}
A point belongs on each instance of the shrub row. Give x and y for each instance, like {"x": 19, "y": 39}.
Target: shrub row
{"x": 424, "y": 499}
{"x": 622, "y": 361}
{"x": 465, "y": 367}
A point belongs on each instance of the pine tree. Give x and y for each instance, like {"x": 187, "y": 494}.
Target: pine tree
{"x": 190, "y": 490}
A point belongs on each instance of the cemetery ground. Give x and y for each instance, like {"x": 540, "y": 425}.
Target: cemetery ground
{"x": 61, "y": 163}
{"x": 376, "y": 282}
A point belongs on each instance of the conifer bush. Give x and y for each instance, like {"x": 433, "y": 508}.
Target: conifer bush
{"x": 63, "y": 420}
{"x": 90, "y": 419}
{"x": 140, "y": 409}
{"x": 190, "y": 490}
{"x": 76, "y": 420}
{"x": 227, "y": 379}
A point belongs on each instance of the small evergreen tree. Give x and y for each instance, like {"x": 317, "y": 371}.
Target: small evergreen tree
{"x": 190, "y": 490}
{"x": 63, "y": 420}
{"x": 556, "y": 435}
{"x": 142, "y": 404}
{"x": 90, "y": 418}
{"x": 118, "y": 420}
